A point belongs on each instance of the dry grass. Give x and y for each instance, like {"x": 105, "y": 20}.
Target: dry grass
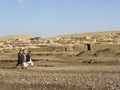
{"x": 31, "y": 80}
{"x": 62, "y": 72}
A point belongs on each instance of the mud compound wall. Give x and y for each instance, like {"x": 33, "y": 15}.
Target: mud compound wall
{"x": 68, "y": 48}
{"x": 106, "y": 46}
{"x": 63, "y": 48}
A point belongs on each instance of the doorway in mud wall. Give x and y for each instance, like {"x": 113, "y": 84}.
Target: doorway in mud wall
{"x": 65, "y": 49}
{"x": 88, "y": 47}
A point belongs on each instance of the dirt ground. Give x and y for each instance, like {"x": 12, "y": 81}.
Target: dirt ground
{"x": 61, "y": 72}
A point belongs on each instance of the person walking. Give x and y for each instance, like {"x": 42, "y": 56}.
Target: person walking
{"x": 28, "y": 58}
{"x": 19, "y": 61}
{"x": 24, "y": 64}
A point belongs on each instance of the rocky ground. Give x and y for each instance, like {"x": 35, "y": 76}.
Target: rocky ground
{"x": 65, "y": 72}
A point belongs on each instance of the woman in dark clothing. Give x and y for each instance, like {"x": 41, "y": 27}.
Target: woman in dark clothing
{"x": 19, "y": 62}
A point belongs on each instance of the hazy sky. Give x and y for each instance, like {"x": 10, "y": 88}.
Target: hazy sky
{"x": 58, "y": 17}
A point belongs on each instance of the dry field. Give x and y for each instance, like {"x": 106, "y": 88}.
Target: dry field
{"x": 62, "y": 68}
{"x": 63, "y": 71}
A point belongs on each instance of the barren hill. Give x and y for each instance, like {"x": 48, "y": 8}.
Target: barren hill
{"x": 90, "y": 34}
{"x": 64, "y": 43}
{"x": 22, "y": 36}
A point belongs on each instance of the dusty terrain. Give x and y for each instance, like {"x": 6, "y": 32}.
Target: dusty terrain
{"x": 61, "y": 72}
{"x": 63, "y": 68}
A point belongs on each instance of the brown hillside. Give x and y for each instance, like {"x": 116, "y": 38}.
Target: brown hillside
{"x": 23, "y": 36}
{"x": 90, "y": 34}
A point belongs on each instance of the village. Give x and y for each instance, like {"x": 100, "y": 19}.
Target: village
{"x": 66, "y": 43}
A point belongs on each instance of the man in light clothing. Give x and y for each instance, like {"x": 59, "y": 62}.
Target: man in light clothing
{"x": 24, "y": 64}
{"x": 28, "y": 59}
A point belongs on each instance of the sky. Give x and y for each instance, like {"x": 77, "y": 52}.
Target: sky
{"x": 58, "y": 17}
